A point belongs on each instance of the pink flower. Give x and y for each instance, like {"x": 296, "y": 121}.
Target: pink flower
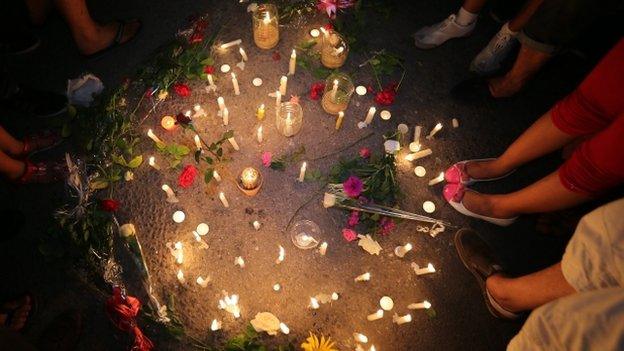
{"x": 331, "y": 6}
{"x": 386, "y": 225}
{"x": 349, "y": 234}
{"x": 266, "y": 158}
{"x": 187, "y": 177}
{"x": 354, "y": 219}
{"x": 365, "y": 153}
{"x": 353, "y": 186}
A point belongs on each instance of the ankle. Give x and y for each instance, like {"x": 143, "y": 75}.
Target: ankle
{"x": 465, "y": 17}
{"x": 496, "y": 286}
{"x": 497, "y": 207}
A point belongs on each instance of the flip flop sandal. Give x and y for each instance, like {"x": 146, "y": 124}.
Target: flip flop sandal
{"x": 117, "y": 39}
{"x": 10, "y": 312}
{"x": 40, "y": 141}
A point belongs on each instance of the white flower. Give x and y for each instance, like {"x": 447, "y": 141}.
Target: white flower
{"x": 127, "y": 230}
{"x": 329, "y": 200}
{"x": 128, "y": 176}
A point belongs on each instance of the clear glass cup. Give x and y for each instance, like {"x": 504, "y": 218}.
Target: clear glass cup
{"x": 289, "y": 119}
{"x": 337, "y": 93}
{"x": 334, "y": 50}
{"x": 305, "y": 234}
{"x": 266, "y": 26}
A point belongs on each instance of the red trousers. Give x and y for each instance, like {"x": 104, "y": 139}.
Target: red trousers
{"x": 596, "y": 110}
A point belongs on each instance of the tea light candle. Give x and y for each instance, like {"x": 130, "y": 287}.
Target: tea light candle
{"x": 243, "y": 54}
{"x": 152, "y": 162}
{"x": 215, "y": 325}
{"x": 292, "y": 64}
{"x": 202, "y": 229}
{"x": 302, "y": 171}
{"x": 419, "y": 154}
{"x": 178, "y": 216}
{"x": 314, "y": 33}
{"x": 401, "y": 320}
{"x": 438, "y": 179}
{"x": 420, "y": 171}
{"x": 339, "y": 120}
{"x": 375, "y": 316}
{"x": 168, "y": 122}
{"x": 314, "y": 303}
{"x": 429, "y": 206}
{"x": 385, "y": 115}
{"x": 257, "y": 82}
{"x": 435, "y": 130}
{"x": 281, "y": 256}
{"x": 226, "y": 116}
{"x": 276, "y": 287}
{"x": 224, "y": 201}
{"x": 421, "y": 271}
{"x": 221, "y": 103}
{"x": 334, "y": 296}
{"x": 360, "y": 338}
{"x": 284, "y": 328}
{"x": 230, "y": 44}
{"x": 415, "y": 145}
{"x": 259, "y": 134}
{"x": 386, "y": 303}
{"x": 260, "y": 113}
{"x": 425, "y": 305}
{"x": 239, "y": 261}
{"x": 171, "y": 198}
{"x": 153, "y": 136}
{"x": 323, "y": 248}
{"x": 361, "y": 90}
{"x": 235, "y": 84}
{"x": 363, "y": 277}
{"x": 370, "y": 115}
{"x": 198, "y": 144}
{"x": 225, "y": 68}
{"x": 256, "y": 225}
{"x": 278, "y": 99}
{"x": 283, "y": 84}
{"x": 216, "y": 176}
{"x": 180, "y": 276}
{"x": 400, "y": 251}
{"x": 202, "y": 282}
{"x": 250, "y": 178}
{"x": 234, "y": 143}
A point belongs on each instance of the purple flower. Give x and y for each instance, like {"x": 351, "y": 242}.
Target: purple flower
{"x": 353, "y": 186}
{"x": 386, "y": 225}
{"x": 354, "y": 218}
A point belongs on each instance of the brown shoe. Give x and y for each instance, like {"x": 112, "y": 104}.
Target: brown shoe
{"x": 479, "y": 259}
{"x": 63, "y": 333}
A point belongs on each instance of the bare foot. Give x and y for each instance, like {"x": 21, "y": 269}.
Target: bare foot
{"x": 484, "y": 205}
{"x": 485, "y": 169}
{"x": 21, "y": 308}
{"x": 104, "y": 36}
{"x": 501, "y": 87}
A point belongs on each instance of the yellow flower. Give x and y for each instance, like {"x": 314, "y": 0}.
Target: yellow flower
{"x": 313, "y": 343}
{"x": 162, "y": 95}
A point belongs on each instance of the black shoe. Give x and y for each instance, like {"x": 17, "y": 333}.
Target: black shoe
{"x": 18, "y": 43}
{"x": 37, "y": 102}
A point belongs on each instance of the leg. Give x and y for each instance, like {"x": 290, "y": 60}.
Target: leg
{"x": 10, "y": 168}
{"x": 528, "y": 62}
{"x": 529, "y": 291}
{"x": 10, "y": 145}
{"x": 524, "y": 15}
{"x": 473, "y": 6}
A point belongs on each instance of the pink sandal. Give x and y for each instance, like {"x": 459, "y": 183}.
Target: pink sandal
{"x": 456, "y": 174}
{"x": 43, "y": 172}
{"x": 454, "y": 195}
{"x": 40, "y": 141}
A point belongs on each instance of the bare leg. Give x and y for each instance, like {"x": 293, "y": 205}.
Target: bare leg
{"x": 529, "y": 291}
{"x": 10, "y": 168}
{"x": 528, "y": 62}
{"x": 474, "y": 6}
{"x": 525, "y": 14}
{"x": 542, "y": 138}
{"x": 10, "y": 145}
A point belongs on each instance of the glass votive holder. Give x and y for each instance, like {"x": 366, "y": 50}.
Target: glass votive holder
{"x": 334, "y": 50}
{"x": 304, "y": 234}
{"x": 289, "y": 118}
{"x": 266, "y": 26}
{"x": 337, "y": 94}
{"x": 249, "y": 181}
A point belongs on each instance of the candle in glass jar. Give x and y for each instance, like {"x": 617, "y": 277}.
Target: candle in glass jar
{"x": 153, "y": 136}
{"x": 152, "y": 163}
{"x": 234, "y": 143}
{"x": 375, "y": 316}
{"x": 292, "y": 64}
{"x": 283, "y": 84}
{"x": 266, "y": 26}
{"x": 250, "y": 178}
{"x": 221, "y": 103}
{"x": 435, "y": 130}
{"x": 260, "y": 113}
{"x": 370, "y": 115}
{"x": 402, "y": 320}
{"x": 235, "y": 84}
{"x": 224, "y": 201}
{"x": 226, "y": 116}
{"x": 339, "y": 120}
{"x": 400, "y": 251}
{"x": 259, "y": 135}
{"x": 243, "y": 54}
{"x": 302, "y": 171}
{"x": 168, "y": 122}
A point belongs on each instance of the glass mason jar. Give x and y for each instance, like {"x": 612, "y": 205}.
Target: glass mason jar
{"x": 337, "y": 94}
{"x": 289, "y": 119}
{"x": 334, "y": 50}
{"x": 266, "y": 26}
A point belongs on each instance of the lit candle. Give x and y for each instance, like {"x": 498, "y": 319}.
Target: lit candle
{"x": 202, "y": 244}
{"x": 216, "y": 176}
{"x": 178, "y": 216}
{"x": 455, "y": 123}
{"x": 224, "y": 201}
{"x": 339, "y": 120}
{"x": 239, "y": 261}
{"x": 221, "y": 103}
{"x": 198, "y": 144}
{"x": 260, "y": 113}
{"x": 168, "y": 123}
{"x": 276, "y": 287}
{"x": 415, "y": 145}
{"x": 334, "y": 296}
{"x": 178, "y": 252}
{"x": 401, "y": 320}
{"x": 314, "y": 303}
{"x": 370, "y": 115}
{"x": 226, "y": 116}
{"x": 180, "y": 276}
{"x": 259, "y": 134}
{"x": 292, "y": 65}
{"x": 283, "y": 84}
{"x": 234, "y": 143}
{"x": 202, "y": 229}
{"x": 438, "y": 179}
{"x": 250, "y": 178}
{"x": 284, "y": 328}
{"x": 425, "y": 270}
{"x": 385, "y": 115}
{"x": 425, "y": 305}
{"x": 400, "y": 251}
{"x": 152, "y": 162}
{"x": 235, "y": 84}
{"x": 386, "y": 303}
{"x": 282, "y": 255}
{"x": 323, "y": 248}
{"x": 418, "y": 154}
{"x": 302, "y": 171}
{"x": 199, "y": 111}
{"x": 231, "y": 43}
{"x": 256, "y": 225}
{"x": 433, "y": 132}
{"x": 420, "y": 171}
{"x": 215, "y": 325}
{"x": 230, "y": 304}
{"x": 334, "y": 90}
{"x": 375, "y": 316}
{"x": 278, "y": 100}
{"x": 153, "y": 136}
{"x": 314, "y": 33}
{"x": 171, "y": 198}
{"x": 202, "y": 282}
{"x": 210, "y": 81}
{"x": 363, "y": 277}
{"x": 243, "y": 54}
{"x": 360, "y": 338}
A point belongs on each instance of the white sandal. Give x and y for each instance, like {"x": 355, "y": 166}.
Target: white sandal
{"x": 457, "y": 173}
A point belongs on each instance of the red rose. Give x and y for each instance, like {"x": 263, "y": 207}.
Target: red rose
{"x": 209, "y": 69}
{"x": 182, "y": 89}
{"x": 109, "y": 205}
{"x": 187, "y": 177}
{"x": 329, "y": 27}
{"x": 196, "y": 37}
{"x": 385, "y": 97}
{"x": 316, "y": 91}
{"x": 365, "y": 153}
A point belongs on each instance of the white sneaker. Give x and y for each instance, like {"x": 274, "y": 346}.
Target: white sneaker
{"x": 490, "y": 58}
{"x": 437, "y": 34}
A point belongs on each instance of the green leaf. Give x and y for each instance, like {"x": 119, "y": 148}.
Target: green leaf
{"x": 98, "y": 184}
{"x": 71, "y": 111}
{"x": 278, "y": 165}
{"x": 66, "y": 131}
{"x": 209, "y": 61}
{"x": 120, "y": 160}
{"x": 208, "y": 175}
{"x": 174, "y": 163}
{"x": 228, "y": 134}
{"x": 135, "y": 162}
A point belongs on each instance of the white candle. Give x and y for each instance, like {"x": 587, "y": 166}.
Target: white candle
{"x": 363, "y": 277}
{"x": 302, "y": 171}
{"x": 178, "y": 252}
{"x": 243, "y": 54}
{"x": 335, "y": 296}
{"x": 339, "y": 119}
{"x": 415, "y": 145}
{"x": 418, "y": 154}
{"x": 429, "y": 206}
{"x": 433, "y": 132}
{"x": 230, "y": 304}
{"x": 401, "y": 320}
{"x": 360, "y": 338}
{"x": 178, "y": 216}
{"x": 281, "y": 256}
{"x": 283, "y": 84}
{"x": 239, "y": 261}
{"x": 455, "y": 123}
{"x": 171, "y": 198}
{"x": 235, "y": 84}
{"x": 231, "y": 43}
{"x": 200, "y": 241}
{"x": 400, "y": 251}
{"x": 256, "y": 225}
{"x": 226, "y": 116}
{"x": 180, "y": 276}
{"x": 314, "y": 303}
{"x": 198, "y": 144}
{"x": 221, "y": 103}
{"x": 210, "y": 80}
{"x": 216, "y": 176}
{"x": 284, "y": 328}
{"x": 370, "y": 115}
{"x": 438, "y": 179}
{"x": 234, "y": 143}
{"x": 386, "y": 303}
{"x": 224, "y": 201}
{"x": 375, "y": 316}
{"x": 420, "y": 171}
{"x": 323, "y": 248}
{"x": 425, "y": 270}
{"x": 278, "y": 100}
{"x": 425, "y": 305}
{"x": 153, "y": 136}
{"x": 334, "y": 90}
{"x": 202, "y": 229}
{"x": 202, "y": 282}
{"x": 314, "y": 33}
{"x": 259, "y": 135}
{"x": 292, "y": 65}
{"x": 152, "y": 162}
{"x": 276, "y": 287}
{"x": 215, "y": 325}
